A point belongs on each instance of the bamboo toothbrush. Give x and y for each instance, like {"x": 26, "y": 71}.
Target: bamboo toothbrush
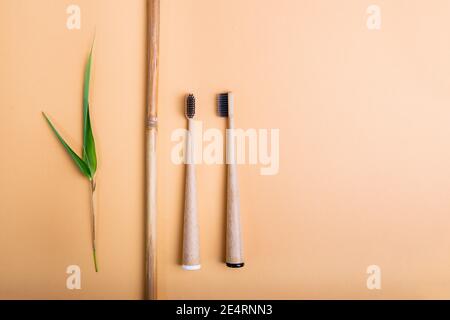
{"x": 151, "y": 126}
{"x": 191, "y": 242}
{"x": 234, "y": 258}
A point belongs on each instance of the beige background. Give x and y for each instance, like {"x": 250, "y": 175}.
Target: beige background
{"x": 364, "y": 121}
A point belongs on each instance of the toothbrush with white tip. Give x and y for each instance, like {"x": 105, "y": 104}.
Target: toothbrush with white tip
{"x": 191, "y": 241}
{"x": 234, "y": 257}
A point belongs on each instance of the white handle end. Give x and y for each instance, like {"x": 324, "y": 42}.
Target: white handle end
{"x": 192, "y": 268}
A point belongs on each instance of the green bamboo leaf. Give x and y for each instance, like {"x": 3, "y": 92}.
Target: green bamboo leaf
{"x": 78, "y": 161}
{"x": 89, "y": 153}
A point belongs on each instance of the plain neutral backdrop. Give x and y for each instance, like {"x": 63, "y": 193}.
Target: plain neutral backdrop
{"x": 364, "y": 119}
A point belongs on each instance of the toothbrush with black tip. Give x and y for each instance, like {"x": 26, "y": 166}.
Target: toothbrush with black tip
{"x": 234, "y": 257}
{"x": 191, "y": 241}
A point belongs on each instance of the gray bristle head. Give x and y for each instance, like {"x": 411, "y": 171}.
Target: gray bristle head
{"x": 222, "y": 104}
{"x": 190, "y": 106}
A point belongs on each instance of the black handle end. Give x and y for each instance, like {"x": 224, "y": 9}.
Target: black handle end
{"x": 235, "y": 265}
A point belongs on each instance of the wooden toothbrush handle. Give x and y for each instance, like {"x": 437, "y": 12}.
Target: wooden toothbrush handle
{"x": 191, "y": 242}
{"x": 234, "y": 257}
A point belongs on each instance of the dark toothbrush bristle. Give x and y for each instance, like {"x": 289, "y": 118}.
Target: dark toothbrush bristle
{"x": 222, "y": 104}
{"x": 190, "y": 106}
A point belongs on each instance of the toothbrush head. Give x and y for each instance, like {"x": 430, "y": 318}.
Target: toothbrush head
{"x": 190, "y": 106}
{"x": 225, "y": 104}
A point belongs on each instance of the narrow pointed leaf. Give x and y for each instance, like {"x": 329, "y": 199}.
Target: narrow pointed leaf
{"x": 78, "y": 161}
{"x": 89, "y": 153}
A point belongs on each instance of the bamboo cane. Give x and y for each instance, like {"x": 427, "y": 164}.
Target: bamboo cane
{"x": 153, "y": 7}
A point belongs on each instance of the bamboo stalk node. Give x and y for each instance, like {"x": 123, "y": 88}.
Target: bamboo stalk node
{"x": 152, "y": 122}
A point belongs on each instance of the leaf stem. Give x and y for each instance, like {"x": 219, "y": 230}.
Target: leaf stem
{"x": 94, "y": 220}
